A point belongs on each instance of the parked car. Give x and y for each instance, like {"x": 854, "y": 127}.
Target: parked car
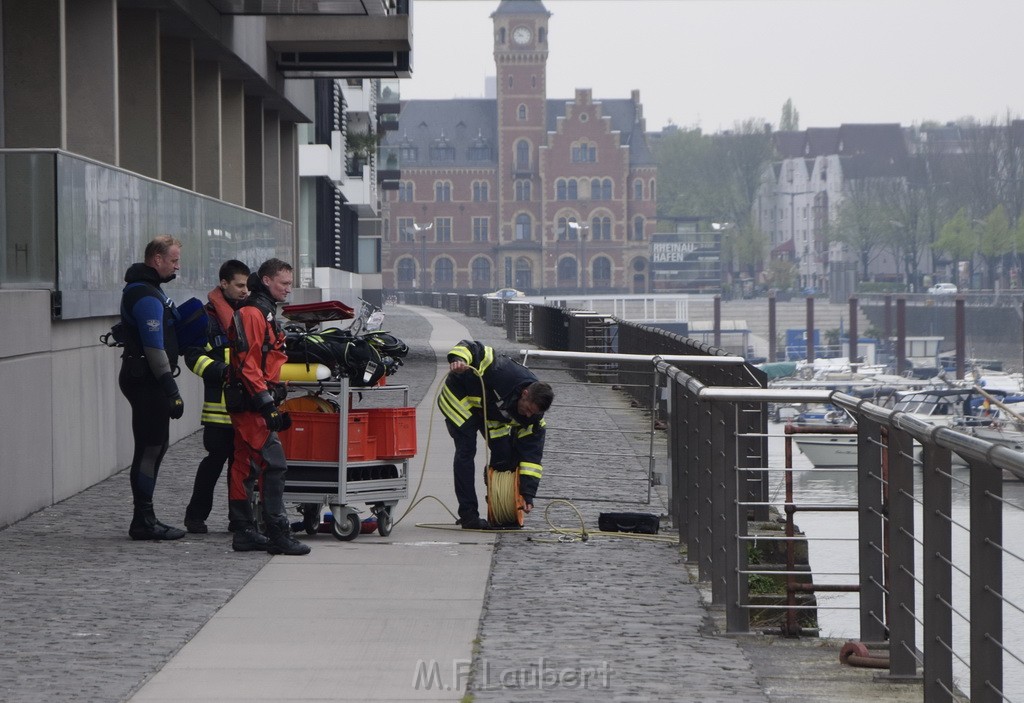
{"x": 944, "y": 289}
{"x": 506, "y": 293}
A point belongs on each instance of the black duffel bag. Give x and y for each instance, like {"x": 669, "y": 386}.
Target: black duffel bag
{"x": 642, "y": 523}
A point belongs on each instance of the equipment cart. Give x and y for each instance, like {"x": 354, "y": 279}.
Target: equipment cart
{"x": 359, "y": 453}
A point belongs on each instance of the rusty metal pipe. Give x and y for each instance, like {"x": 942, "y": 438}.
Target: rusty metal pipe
{"x": 856, "y": 654}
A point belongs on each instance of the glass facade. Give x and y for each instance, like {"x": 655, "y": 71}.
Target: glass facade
{"x": 75, "y": 226}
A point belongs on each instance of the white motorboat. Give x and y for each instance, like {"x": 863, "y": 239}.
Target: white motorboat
{"x": 826, "y": 435}
{"x": 828, "y": 451}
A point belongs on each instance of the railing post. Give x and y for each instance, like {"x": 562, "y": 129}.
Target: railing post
{"x": 734, "y": 485}
{"x": 986, "y": 583}
{"x": 902, "y": 626}
{"x": 937, "y": 590}
{"x": 870, "y": 547}
{"x": 702, "y": 475}
{"x": 722, "y": 475}
{"x": 678, "y": 431}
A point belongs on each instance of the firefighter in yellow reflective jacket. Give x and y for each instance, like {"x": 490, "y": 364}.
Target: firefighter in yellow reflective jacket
{"x": 211, "y": 364}
{"x": 515, "y": 405}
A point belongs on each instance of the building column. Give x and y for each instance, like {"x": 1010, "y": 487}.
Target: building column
{"x": 289, "y": 173}
{"x": 232, "y": 141}
{"x": 90, "y": 60}
{"x": 33, "y": 66}
{"x": 208, "y": 128}
{"x": 254, "y": 152}
{"x": 177, "y": 112}
{"x": 272, "y": 163}
{"x": 138, "y": 73}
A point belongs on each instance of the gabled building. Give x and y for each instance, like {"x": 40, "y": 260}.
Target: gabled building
{"x": 522, "y": 190}
{"x": 802, "y": 191}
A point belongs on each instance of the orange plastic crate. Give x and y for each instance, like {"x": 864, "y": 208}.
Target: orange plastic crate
{"x": 394, "y": 430}
{"x": 314, "y": 437}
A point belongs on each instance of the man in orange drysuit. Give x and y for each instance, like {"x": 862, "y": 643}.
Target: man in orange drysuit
{"x": 256, "y": 360}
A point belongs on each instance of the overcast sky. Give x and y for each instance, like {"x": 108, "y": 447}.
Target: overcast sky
{"x": 711, "y": 63}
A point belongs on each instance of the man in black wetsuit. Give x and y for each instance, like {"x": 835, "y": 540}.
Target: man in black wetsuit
{"x": 147, "y": 377}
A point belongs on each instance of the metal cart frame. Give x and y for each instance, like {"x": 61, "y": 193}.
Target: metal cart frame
{"x": 316, "y": 484}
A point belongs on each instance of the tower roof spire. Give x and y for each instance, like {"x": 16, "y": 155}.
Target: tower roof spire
{"x": 521, "y": 7}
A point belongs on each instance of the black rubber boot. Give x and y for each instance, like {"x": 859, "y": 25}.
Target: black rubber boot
{"x": 475, "y": 523}
{"x": 145, "y": 526}
{"x": 281, "y": 540}
{"x": 249, "y": 540}
{"x": 239, "y": 516}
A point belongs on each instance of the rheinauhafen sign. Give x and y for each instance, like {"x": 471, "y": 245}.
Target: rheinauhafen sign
{"x": 686, "y": 262}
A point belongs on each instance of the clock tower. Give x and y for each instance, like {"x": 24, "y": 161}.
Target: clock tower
{"x": 520, "y": 57}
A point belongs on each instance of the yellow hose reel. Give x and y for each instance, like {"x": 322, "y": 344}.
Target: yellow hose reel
{"x": 505, "y": 507}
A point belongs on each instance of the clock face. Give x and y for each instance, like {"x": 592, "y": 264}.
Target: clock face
{"x": 521, "y": 35}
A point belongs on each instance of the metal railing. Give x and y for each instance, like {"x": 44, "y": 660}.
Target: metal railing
{"x": 906, "y": 561}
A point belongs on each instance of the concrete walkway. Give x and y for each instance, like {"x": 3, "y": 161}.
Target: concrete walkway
{"x": 357, "y": 620}
{"x": 424, "y": 614}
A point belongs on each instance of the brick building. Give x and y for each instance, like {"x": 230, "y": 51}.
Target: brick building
{"x": 522, "y": 191}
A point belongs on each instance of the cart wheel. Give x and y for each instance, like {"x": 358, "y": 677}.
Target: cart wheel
{"x": 384, "y": 521}
{"x": 311, "y": 518}
{"x": 346, "y": 528}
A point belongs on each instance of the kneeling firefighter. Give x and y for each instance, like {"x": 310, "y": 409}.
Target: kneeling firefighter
{"x": 503, "y": 400}
{"x": 256, "y": 361}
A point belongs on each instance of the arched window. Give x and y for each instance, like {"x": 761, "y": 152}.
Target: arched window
{"x": 405, "y": 192}
{"x": 481, "y": 272}
{"x": 501, "y": 35}
{"x": 523, "y": 155}
{"x": 522, "y": 190}
{"x": 521, "y": 112}
{"x": 567, "y": 271}
{"x": 523, "y": 226}
{"x": 560, "y": 189}
{"x": 638, "y": 189}
{"x": 602, "y": 273}
{"x": 601, "y": 228}
{"x": 595, "y": 189}
{"x": 444, "y": 273}
{"x": 523, "y": 273}
{"x": 638, "y": 228}
{"x": 571, "y": 188}
{"x": 406, "y": 272}
{"x": 606, "y": 189}
{"x": 480, "y": 193}
{"x": 442, "y": 191}
{"x": 651, "y": 190}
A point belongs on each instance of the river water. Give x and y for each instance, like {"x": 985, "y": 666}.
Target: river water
{"x": 833, "y": 557}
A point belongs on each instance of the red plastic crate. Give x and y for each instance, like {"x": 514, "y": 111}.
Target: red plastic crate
{"x": 314, "y": 437}
{"x": 394, "y": 430}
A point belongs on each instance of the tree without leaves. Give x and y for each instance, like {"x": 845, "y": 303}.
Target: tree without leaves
{"x": 860, "y": 221}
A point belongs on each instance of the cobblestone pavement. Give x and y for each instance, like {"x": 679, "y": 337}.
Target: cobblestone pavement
{"x": 88, "y": 615}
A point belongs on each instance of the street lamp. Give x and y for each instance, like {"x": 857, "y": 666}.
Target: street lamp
{"x": 581, "y": 230}
{"x": 423, "y": 249}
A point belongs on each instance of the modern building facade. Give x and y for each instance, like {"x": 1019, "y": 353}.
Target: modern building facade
{"x": 120, "y": 120}
{"x": 540, "y": 194}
